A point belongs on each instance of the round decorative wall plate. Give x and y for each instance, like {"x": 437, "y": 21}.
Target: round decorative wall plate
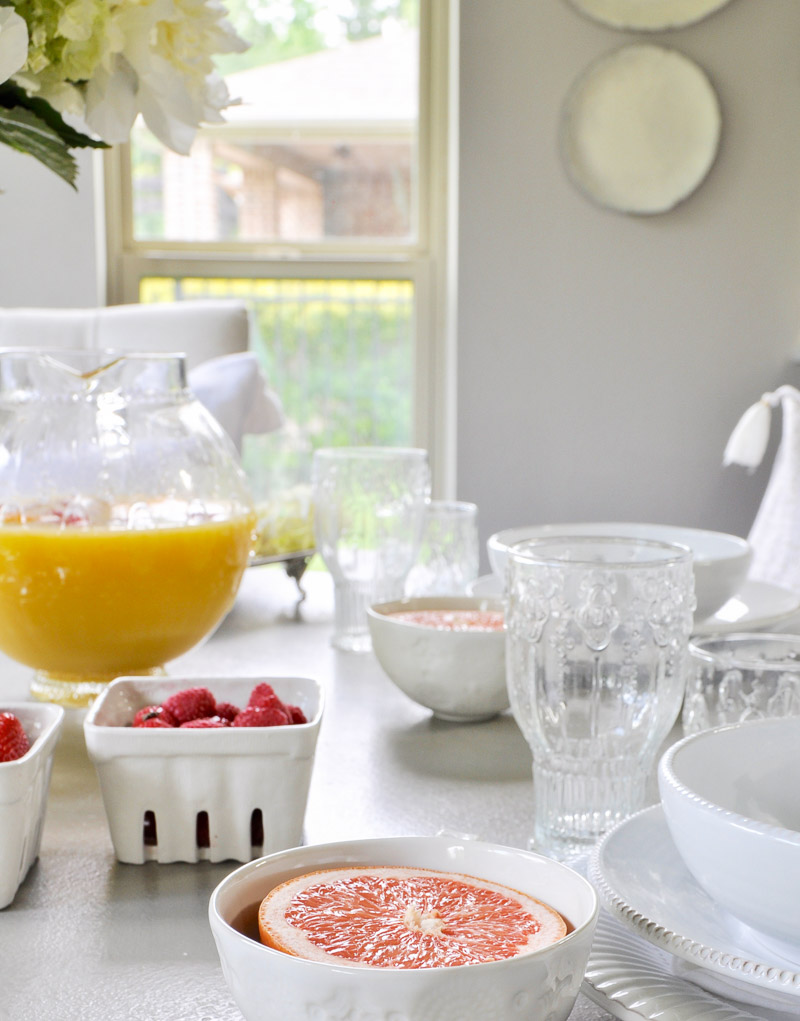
{"x": 640, "y": 129}
{"x": 648, "y": 15}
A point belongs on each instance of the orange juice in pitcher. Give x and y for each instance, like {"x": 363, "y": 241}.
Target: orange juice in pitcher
{"x": 125, "y": 521}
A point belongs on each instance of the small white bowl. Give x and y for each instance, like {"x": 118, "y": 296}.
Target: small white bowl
{"x": 24, "y": 784}
{"x": 721, "y": 561}
{"x": 268, "y": 985}
{"x": 460, "y": 675}
{"x": 156, "y": 782}
{"x": 732, "y": 804}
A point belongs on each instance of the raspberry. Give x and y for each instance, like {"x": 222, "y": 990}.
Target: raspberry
{"x": 150, "y": 712}
{"x": 206, "y": 723}
{"x": 227, "y": 710}
{"x": 14, "y": 741}
{"x": 262, "y": 696}
{"x": 155, "y": 721}
{"x": 254, "y": 716}
{"x": 190, "y": 704}
{"x": 296, "y": 714}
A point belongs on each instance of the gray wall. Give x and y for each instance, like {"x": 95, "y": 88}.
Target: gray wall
{"x": 605, "y": 358}
{"x": 48, "y": 251}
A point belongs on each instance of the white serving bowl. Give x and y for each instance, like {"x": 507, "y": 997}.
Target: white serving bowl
{"x": 721, "y": 561}
{"x": 732, "y": 804}
{"x": 268, "y": 985}
{"x": 232, "y": 774}
{"x": 459, "y": 675}
{"x": 24, "y": 784}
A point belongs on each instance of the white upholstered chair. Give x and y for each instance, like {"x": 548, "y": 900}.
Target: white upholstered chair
{"x": 201, "y": 329}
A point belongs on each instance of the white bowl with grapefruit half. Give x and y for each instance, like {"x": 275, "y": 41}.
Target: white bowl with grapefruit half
{"x": 447, "y": 653}
{"x": 422, "y": 928}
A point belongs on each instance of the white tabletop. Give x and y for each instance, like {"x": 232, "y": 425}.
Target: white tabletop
{"x": 90, "y": 939}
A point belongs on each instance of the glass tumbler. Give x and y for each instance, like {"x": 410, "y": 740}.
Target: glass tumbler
{"x": 448, "y": 555}
{"x": 596, "y": 658}
{"x": 369, "y": 511}
{"x": 741, "y": 676}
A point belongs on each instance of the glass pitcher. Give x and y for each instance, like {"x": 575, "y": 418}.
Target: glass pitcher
{"x": 125, "y": 521}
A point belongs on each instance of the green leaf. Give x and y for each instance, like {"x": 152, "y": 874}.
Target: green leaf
{"x": 26, "y": 132}
{"x": 12, "y": 96}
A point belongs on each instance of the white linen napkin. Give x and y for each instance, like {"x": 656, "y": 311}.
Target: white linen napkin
{"x": 236, "y": 392}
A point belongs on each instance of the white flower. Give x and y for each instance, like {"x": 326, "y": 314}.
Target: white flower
{"x": 158, "y": 63}
{"x": 13, "y": 42}
{"x": 104, "y": 62}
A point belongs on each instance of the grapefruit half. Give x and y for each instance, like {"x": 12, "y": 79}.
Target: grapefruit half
{"x": 399, "y": 917}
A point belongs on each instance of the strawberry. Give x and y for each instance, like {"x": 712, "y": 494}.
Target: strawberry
{"x": 227, "y": 710}
{"x": 205, "y": 723}
{"x": 150, "y": 712}
{"x": 190, "y": 704}
{"x": 256, "y": 716}
{"x": 14, "y": 741}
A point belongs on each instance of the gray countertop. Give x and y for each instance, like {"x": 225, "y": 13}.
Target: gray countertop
{"x": 90, "y": 939}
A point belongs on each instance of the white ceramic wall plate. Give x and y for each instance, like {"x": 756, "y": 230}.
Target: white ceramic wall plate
{"x": 640, "y": 129}
{"x": 648, "y": 15}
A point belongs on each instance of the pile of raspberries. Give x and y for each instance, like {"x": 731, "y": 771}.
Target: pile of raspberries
{"x": 197, "y": 708}
{"x": 14, "y": 741}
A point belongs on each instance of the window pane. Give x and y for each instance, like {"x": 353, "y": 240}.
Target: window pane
{"x": 322, "y": 146}
{"x": 338, "y": 352}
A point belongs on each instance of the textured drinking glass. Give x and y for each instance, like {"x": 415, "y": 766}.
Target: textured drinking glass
{"x": 741, "y": 676}
{"x": 597, "y": 649}
{"x": 369, "y": 511}
{"x": 448, "y": 555}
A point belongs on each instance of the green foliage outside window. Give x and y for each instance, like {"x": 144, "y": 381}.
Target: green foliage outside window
{"x": 338, "y": 352}
{"x": 282, "y": 29}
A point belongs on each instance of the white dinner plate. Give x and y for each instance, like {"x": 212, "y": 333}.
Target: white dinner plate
{"x": 640, "y": 129}
{"x": 648, "y": 15}
{"x": 758, "y": 605}
{"x": 634, "y": 981}
{"x": 643, "y": 883}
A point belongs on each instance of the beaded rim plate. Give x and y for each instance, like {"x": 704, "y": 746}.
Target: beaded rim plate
{"x": 644, "y": 884}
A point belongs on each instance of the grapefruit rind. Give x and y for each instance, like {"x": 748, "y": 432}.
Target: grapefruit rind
{"x": 401, "y": 917}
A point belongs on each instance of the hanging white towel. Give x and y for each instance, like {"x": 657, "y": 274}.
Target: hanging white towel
{"x": 775, "y": 533}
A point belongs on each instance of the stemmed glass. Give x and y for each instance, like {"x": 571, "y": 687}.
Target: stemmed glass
{"x": 369, "y": 511}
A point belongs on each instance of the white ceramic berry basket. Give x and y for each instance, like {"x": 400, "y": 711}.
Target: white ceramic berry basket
{"x": 24, "y": 784}
{"x": 202, "y": 795}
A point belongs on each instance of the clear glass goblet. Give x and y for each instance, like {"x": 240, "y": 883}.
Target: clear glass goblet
{"x": 369, "y": 512}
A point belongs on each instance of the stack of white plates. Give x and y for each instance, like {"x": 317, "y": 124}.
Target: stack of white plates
{"x": 665, "y": 949}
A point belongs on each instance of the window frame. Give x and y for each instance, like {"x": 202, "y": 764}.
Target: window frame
{"x": 428, "y": 262}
